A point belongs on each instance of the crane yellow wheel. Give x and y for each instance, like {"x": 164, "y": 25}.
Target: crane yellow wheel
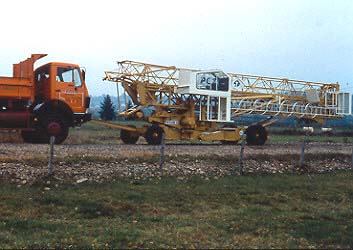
{"x": 128, "y": 137}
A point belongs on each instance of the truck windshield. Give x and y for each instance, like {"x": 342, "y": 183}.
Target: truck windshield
{"x": 69, "y": 74}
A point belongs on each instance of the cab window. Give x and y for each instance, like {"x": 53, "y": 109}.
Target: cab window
{"x": 212, "y": 81}
{"x": 42, "y": 74}
{"x": 77, "y": 78}
{"x": 69, "y": 74}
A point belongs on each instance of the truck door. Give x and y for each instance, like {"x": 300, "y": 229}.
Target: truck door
{"x": 69, "y": 88}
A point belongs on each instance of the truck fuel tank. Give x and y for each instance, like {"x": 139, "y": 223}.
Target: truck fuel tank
{"x": 14, "y": 119}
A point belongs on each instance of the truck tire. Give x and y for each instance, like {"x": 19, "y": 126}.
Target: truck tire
{"x": 256, "y": 135}
{"x": 128, "y": 137}
{"x": 154, "y": 135}
{"x": 60, "y": 123}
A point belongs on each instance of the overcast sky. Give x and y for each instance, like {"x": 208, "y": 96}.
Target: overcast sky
{"x": 299, "y": 39}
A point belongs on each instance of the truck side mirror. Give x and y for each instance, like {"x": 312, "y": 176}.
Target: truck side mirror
{"x": 83, "y": 74}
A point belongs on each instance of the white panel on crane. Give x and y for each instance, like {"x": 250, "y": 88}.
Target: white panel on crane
{"x": 185, "y": 80}
{"x": 184, "y": 77}
{"x": 344, "y": 103}
{"x": 312, "y": 96}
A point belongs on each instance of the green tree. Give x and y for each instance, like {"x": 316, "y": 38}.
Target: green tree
{"x": 107, "y": 109}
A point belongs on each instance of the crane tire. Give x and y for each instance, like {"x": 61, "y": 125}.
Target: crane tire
{"x": 256, "y": 135}
{"x": 127, "y": 137}
{"x": 154, "y": 135}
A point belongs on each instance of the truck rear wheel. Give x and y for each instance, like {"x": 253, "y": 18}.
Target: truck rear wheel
{"x": 256, "y": 135}
{"x": 128, "y": 137}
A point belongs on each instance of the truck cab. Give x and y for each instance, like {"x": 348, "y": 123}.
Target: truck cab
{"x": 64, "y": 83}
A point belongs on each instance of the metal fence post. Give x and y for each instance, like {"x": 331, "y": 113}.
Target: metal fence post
{"x": 352, "y": 155}
{"x": 51, "y": 155}
{"x": 241, "y": 157}
{"x": 161, "y": 155}
{"x": 302, "y": 151}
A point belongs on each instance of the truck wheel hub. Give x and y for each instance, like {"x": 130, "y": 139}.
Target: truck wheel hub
{"x": 54, "y": 128}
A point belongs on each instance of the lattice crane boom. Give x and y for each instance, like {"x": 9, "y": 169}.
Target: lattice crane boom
{"x": 247, "y": 93}
{"x": 199, "y": 105}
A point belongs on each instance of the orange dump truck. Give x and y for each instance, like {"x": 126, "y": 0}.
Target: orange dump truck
{"x": 43, "y": 102}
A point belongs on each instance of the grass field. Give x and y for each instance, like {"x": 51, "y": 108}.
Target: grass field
{"x": 255, "y": 211}
{"x": 276, "y": 138}
{"x": 281, "y": 211}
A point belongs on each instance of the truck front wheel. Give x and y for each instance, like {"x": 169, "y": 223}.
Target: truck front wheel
{"x": 54, "y": 125}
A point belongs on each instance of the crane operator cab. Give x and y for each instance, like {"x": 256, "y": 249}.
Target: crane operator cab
{"x": 217, "y": 81}
{"x": 213, "y": 89}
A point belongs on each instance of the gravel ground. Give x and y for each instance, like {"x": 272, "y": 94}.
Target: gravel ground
{"x": 26, "y": 163}
{"x": 21, "y": 151}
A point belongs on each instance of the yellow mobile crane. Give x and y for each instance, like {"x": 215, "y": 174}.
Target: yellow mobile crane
{"x": 187, "y": 104}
